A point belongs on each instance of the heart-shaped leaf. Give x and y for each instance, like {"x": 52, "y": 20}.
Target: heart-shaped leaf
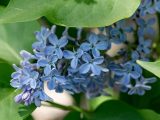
{"x": 79, "y": 13}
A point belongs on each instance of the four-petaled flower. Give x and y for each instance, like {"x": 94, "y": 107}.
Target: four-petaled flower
{"x": 95, "y": 44}
{"x": 74, "y": 56}
{"x": 140, "y": 86}
{"x": 41, "y": 37}
{"x": 144, "y": 46}
{"x": 24, "y": 77}
{"x": 127, "y": 71}
{"x": 54, "y": 79}
{"x": 145, "y": 27}
{"x": 92, "y": 64}
{"x": 117, "y": 34}
{"x": 57, "y": 45}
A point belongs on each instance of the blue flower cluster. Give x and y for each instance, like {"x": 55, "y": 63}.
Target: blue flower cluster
{"x": 117, "y": 33}
{"x": 128, "y": 74}
{"x": 81, "y": 65}
{"x": 148, "y": 7}
{"x": 60, "y": 68}
{"x": 27, "y": 78}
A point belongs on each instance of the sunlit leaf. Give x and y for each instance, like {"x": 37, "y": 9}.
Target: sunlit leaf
{"x": 84, "y": 13}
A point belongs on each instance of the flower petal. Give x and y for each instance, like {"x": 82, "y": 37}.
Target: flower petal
{"x": 68, "y": 54}
{"x": 49, "y": 50}
{"x": 86, "y": 58}
{"x": 37, "y": 102}
{"x": 85, "y": 46}
{"x": 62, "y": 42}
{"x": 35, "y": 75}
{"x": 95, "y": 69}
{"x": 51, "y": 84}
{"x": 60, "y": 79}
{"x": 53, "y": 39}
{"x": 74, "y": 63}
{"x": 84, "y": 68}
{"x": 95, "y": 52}
{"x": 103, "y": 45}
{"x": 47, "y": 70}
{"x": 42, "y": 63}
{"x": 26, "y": 55}
{"x": 98, "y": 60}
{"x": 33, "y": 83}
{"x": 125, "y": 79}
{"x": 135, "y": 74}
{"x": 79, "y": 53}
{"x": 93, "y": 38}
{"x": 59, "y": 53}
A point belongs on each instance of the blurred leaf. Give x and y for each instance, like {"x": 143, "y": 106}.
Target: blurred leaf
{"x": 73, "y": 116}
{"x": 149, "y": 115}
{"x": 153, "y": 67}
{"x": 1, "y": 8}
{"x": 96, "y": 102}
{"x": 13, "y": 38}
{"x": 4, "y": 2}
{"x": 117, "y": 110}
{"x": 25, "y": 111}
{"x": 8, "y": 108}
{"x": 5, "y": 74}
{"x": 83, "y": 13}
{"x": 16, "y": 37}
{"x": 5, "y": 92}
{"x": 5, "y": 78}
{"x": 29, "y": 118}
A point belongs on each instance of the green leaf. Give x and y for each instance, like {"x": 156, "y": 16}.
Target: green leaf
{"x": 79, "y": 13}
{"x": 14, "y": 38}
{"x": 4, "y": 2}
{"x": 9, "y": 109}
{"x": 5, "y": 76}
{"x": 25, "y": 111}
{"x": 29, "y": 118}
{"x": 5, "y": 88}
{"x": 96, "y": 102}
{"x": 117, "y": 110}
{"x": 73, "y": 115}
{"x": 149, "y": 115}
{"x": 5, "y": 92}
{"x": 1, "y": 9}
{"x": 153, "y": 67}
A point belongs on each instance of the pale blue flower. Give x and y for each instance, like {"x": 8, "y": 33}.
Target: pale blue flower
{"x": 58, "y": 44}
{"x": 95, "y": 44}
{"x": 126, "y": 72}
{"x": 140, "y": 86}
{"x": 74, "y": 56}
{"x": 92, "y": 64}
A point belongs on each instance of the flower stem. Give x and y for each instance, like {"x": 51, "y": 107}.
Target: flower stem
{"x": 69, "y": 108}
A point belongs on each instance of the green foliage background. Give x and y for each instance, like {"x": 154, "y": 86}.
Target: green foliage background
{"x": 20, "y": 18}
